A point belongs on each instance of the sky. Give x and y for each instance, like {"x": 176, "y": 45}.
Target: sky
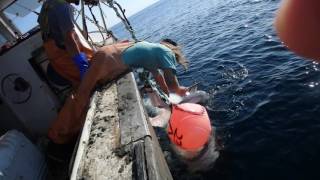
{"x": 131, "y": 7}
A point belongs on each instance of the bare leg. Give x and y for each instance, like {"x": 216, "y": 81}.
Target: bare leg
{"x": 173, "y": 83}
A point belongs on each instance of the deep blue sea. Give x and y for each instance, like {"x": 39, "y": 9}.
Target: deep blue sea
{"x": 265, "y": 101}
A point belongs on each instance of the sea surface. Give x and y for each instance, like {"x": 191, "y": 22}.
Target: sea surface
{"x": 265, "y": 101}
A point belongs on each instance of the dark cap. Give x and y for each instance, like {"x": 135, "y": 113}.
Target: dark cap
{"x": 170, "y": 41}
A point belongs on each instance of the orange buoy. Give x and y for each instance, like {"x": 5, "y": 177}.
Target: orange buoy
{"x": 189, "y": 126}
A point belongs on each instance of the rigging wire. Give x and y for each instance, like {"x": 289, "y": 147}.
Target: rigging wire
{"x": 103, "y": 20}
{"x": 95, "y": 20}
{"x": 84, "y": 24}
{"x": 100, "y": 28}
{"x": 123, "y": 18}
{"x": 144, "y": 75}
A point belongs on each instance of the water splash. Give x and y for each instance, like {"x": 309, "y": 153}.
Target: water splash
{"x": 313, "y": 84}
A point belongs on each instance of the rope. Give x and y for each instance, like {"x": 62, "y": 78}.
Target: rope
{"x": 101, "y": 14}
{"x": 123, "y": 14}
{"x": 144, "y": 76}
{"x": 84, "y": 24}
{"x": 95, "y": 22}
{"x": 125, "y": 21}
{"x": 110, "y": 33}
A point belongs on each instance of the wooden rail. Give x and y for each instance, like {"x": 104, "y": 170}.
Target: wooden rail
{"x": 128, "y": 147}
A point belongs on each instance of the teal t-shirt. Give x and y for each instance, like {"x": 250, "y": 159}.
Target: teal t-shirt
{"x": 150, "y": 56}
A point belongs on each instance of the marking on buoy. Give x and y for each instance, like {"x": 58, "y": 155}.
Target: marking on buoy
{"x": 176, "y": 138}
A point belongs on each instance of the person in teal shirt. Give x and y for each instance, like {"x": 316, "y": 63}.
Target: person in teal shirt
{"x": 149, "y": 56}
{"x": 155, "y": 58}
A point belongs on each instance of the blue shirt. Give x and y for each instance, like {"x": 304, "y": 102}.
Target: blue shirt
{"x": 150, "y": 56}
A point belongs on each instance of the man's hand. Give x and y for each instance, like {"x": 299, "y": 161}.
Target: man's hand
{"x": 182, "y": 91}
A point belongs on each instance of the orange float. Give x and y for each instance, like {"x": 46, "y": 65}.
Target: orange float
{"x": 189, "y": 126}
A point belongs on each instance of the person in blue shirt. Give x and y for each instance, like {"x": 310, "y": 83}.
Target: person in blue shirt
{"x": 108, "y": 63}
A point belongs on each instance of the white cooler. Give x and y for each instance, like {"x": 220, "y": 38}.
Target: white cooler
{"x": 20, "y": 159}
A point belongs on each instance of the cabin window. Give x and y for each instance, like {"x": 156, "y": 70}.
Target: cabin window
{"x": 3, "y": 40}
{"x": 22, "y": 14}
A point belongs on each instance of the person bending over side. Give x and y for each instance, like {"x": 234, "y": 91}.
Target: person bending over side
{"x": 108, "y": 63}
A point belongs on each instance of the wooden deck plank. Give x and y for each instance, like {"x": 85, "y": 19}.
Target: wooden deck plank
{"x": 117, "y": 130}
{"x": 132, "y": 118}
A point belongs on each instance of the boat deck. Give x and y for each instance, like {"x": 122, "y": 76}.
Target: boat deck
{"x": 117, "y": 141}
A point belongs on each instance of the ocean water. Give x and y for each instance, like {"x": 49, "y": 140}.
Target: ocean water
{"x": 265, "y": 101}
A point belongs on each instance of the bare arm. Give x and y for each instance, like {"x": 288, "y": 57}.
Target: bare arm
{"x": 160, "y": 80}
{"x": 72, "y": 43}
{"x": 173, "y": 84}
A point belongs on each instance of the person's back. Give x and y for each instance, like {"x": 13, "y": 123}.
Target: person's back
{"x": 151, "y": 56}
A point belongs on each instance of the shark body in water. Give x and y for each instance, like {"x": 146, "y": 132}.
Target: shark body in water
{"x": 197, "y": 97}
{"x": 201, "y": 160}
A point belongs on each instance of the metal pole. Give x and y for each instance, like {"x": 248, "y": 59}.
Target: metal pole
{"x": 84, "y": 24}
{"x": 101, "y": 14}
